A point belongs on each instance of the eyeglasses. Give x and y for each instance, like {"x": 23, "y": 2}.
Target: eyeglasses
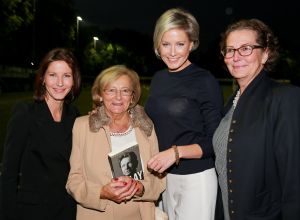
{"x": 245, "y": 50}
{"x": 113, "y": 92}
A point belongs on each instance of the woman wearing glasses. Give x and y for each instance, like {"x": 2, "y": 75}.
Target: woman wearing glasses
{"x": 257, "y": 143}
{"x": 116, "y": 122}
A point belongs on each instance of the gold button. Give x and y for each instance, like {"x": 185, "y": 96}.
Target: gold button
{"x": 231, "y": 130}
{"x": 230, "y": 181}
{"x": 230, "y": 171}
{"x": 229, "y": 150}
{"x": 229, "y": 160}
{"x": 230, "y": 139}
{"x": 233, "y": 121}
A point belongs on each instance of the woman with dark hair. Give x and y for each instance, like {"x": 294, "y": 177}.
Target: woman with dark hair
{"x": 257, "y": 143}
{"x": 37, "y": 148}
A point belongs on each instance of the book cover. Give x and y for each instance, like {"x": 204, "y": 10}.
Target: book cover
{"x": 127, "y": 162}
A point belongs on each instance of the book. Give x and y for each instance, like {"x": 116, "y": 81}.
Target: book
{"x": 127, "y": 162}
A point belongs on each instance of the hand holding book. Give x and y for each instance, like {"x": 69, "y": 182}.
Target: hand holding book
{"x": 128, "y": 180}
{"x": 122, "y": 189}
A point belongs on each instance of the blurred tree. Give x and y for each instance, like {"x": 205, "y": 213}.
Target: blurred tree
{"x": 113, "y": 47}
{"x": 141, "y": 56}
{"x": 288, "y": 67}
{"x": 14, "y": 14}
{"x": 16, "y": 17}
{"x": 30, "y": 28}
{"x": 108, "y": 54}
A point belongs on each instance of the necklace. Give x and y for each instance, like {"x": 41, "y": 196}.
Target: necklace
{"x": 122, "y": 133}
{"x": 236, "y": 98}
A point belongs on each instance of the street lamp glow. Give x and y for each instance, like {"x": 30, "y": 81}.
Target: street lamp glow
{"x": 78, "y": 19}
{"x": 95, "y": 39}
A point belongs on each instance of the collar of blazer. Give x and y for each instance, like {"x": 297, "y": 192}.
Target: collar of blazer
{"x": 98, "y": 118}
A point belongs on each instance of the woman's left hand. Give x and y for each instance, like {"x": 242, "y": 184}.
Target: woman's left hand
{"x": 140, "y": 189}
{"x": 162, "y": 161}
{"x": 133, "y": 189}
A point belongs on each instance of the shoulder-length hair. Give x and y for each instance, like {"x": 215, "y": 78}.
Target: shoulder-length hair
{"x": 58, "y": 54}
{"x": 264, "y": 37}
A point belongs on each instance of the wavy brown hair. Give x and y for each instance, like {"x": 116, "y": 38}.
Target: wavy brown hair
{"x": 264, "y": 37}
{"x": 58, "y": 54}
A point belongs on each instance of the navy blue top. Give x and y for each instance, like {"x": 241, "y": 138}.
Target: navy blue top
{"x": 185, "y": 107}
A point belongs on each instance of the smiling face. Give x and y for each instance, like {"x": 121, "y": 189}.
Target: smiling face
{"x": 174, "y": 49}
{"x": 244, "y": 68}
{"x": 115, "y": 96}
{"x": 58, "y": 81}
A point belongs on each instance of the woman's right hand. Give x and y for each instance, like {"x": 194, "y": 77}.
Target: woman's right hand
{"x": 162, "y": 161}
{"x": 119, "y": 189}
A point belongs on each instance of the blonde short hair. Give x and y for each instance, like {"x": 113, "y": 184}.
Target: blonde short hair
{"x": 176, "y": 18}
{"x": 111, "y": 74}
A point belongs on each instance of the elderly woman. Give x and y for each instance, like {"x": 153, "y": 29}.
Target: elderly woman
{"x": 117, "y": 121}
{"x": 257, "y": 143}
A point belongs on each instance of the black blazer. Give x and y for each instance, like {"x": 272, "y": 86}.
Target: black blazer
{"x": 263, "y": 153}
{"x": 36, "y": 164}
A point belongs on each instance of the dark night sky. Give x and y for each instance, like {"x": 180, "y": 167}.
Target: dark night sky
{"x": 213, "y": 15}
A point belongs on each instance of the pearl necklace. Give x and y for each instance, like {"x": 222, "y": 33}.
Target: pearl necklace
{"x": 236, "y": 98}
{"x": 122, "y": 133}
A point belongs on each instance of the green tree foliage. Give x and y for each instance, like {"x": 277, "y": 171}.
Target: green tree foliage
{"x": 16, "y": 17}
{"x": 107, "y": 54}
{"x": 288, "y": 67}
{"x": 14, "y": 14}
{"x": 30, "y": 28}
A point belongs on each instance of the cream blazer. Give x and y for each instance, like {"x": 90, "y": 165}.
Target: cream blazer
{"x": 90, "y": 170}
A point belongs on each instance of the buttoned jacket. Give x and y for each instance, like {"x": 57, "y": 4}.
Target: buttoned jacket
{"x": 263, "y": 153}
{"x": 35, "y": 164}
{"x": 90, "y": 169}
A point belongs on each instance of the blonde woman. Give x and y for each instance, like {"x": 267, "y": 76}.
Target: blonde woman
{"x": 185, "y": 104}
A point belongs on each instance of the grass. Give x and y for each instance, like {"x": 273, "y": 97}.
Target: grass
{"x": 84, "y": 104}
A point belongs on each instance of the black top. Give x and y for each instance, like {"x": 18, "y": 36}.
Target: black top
{"x": 263, "y": 152}
{"x": 36, "y": 164}
{"x": 185, "y": 107}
